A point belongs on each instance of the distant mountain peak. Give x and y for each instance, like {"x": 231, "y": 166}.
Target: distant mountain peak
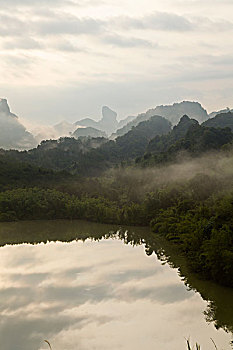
{"x": 171, "y": 112}
{"x": 4, "y": 107}
{"x": 108, "y": 114}
{"x": 184, "y": 118}
{"x": 226, "y": 110}
{"x": 108, "y": 123}
{"x": 12, "y": 133}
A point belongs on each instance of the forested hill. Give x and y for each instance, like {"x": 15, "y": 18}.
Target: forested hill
{"x": 188, "y": 136}
{"x": 164, "y": 142}
{"x": 170, "y": 112}
{"x": 91, "y": 156}
{"x": 221, "y": 120}
{"x": 191, "y": 208}
{"x": 14, "y": 174}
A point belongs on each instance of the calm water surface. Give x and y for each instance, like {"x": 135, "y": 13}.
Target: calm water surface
{"x": 86, "y": 286}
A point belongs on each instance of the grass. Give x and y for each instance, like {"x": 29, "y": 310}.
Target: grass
{"x": 46, "y": 341}
{"x": 196, "y": 347}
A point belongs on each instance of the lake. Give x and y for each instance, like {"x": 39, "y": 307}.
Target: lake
{"x": 89, "y": 286}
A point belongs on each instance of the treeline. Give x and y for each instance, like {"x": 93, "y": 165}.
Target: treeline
{"x": 58, "y": 180}
{"x": 15, "y": 174}
{"x": 150, "y": 143}
{"x": 91, "y": 157}
{"x": 199, "y": 222}
{"x": 36, "y": 203}
{"x": 204, "y": 232}
{"x": 187, "y": 137}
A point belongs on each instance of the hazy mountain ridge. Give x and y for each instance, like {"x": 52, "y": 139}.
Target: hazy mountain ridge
{"x": 187, "y": 137}
{"x": 222, "y": 120}
{"x": 108, "y": 123}
{"x": 186, "y": 200}
{"x": 88, "y": 132}
{"x": 171, "y": 112}
{"x": 12, "y": 133}
{"x": 225, "y": 110}
{"x": 162, "y": 143}
{"x": 93, "y": 155}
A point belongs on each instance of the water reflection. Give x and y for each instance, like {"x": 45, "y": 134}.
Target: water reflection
{"x": 89, "y": 294}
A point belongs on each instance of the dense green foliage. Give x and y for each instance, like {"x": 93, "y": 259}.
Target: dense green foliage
{"x": 87, "y": 156}
{"x": 222, "y": 120}
{"x": 164, "y": 142}
{"x": 187, "y": 214}
{"x": 204, "y": 233}
{"x": 37, "y": 203}
{"x": 188, "y": 136}
{"x": 193, "y": 211}
{"x": 15, "y": 174}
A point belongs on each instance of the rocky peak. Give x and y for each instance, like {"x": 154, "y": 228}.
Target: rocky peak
{"x": 4, "y": 108}
{"x": 183, "y": 126}
{"x": 108, "y": 114}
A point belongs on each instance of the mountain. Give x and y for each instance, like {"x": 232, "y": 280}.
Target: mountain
{"x": 226, "y": 110}
{"x": 87, "y": 122}
{"x": 171, "y": 112}
{"x": 91, "y": 156}
{"x": 125, "y": 121}
{"x": 135, "y": 141}
{"x": 174, "y": 112}
{"x": 108, "y": 123}
{"x": 223, "y": 120}
{"x": 188, "y": 136}
{"x": 64, "y": 128}
{"x": 164, "y": 142}
{"x": 12, "y": 133}
{"x": 88, "y": 132}
{"x": 134, "y": 122}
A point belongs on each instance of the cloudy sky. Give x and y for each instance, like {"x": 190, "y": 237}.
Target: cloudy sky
{"x": 64, "y": 59}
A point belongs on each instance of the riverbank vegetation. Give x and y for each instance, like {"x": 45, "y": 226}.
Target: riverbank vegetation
{"x": 184, "y": 193}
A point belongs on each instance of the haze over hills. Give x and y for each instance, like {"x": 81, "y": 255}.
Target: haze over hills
{"x": 108, "y": 123}
{"x": 64, "y": 128}
{"x": 225, "y": 110}
{"x": 88, "y": 132}
{"x": 93, "y": 155}
{"x": 171, "y": 112}
{"x": 175, "y": 179}
{"x": 222, "y": 120}
{"x": 187, "y": 137}
{"x": 12, "y": 133}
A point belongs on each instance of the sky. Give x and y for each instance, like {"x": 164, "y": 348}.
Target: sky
{"x": 65, "y": 59}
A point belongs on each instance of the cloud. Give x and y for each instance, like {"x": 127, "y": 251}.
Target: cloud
{"x": 49, "y": 3}
{"x": 20, "y": 61}
{"x": 27, "y": 43}
{"x": 11, "y": 26}
{"x": 70, "y": 44}
{"x": 157, "y": 21}
{"x": 198, "y": 2}
{"x": 65, "y": 46}
{"x": 31, "y": 3}
{"x": 22, "y": 43}
{"x": 68, "y": 25}
{"x": 52, "y": 23}
{"x": 171, "y": 22}
{"x": 126, "y": 42}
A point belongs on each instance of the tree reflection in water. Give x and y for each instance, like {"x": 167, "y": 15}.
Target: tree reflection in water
{"x": 220, "y": 299}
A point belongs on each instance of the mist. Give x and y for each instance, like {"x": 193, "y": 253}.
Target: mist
{"x": 212, "y": 171}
